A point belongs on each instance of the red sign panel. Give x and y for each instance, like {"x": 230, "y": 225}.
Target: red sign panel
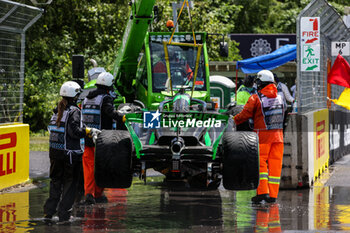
{"x": 320, "y": 139}
{"x": 6, "y": 158}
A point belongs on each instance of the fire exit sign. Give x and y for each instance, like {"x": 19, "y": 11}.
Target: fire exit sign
{"x": 310, "y": 44}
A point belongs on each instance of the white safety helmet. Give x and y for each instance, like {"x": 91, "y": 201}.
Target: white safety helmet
{"x": 105, "y": 79}
{"x": 265, "y": 76}
{"x": 70, "y": 89}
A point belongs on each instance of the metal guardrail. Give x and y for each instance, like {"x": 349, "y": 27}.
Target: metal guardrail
{"x": 287, "y": 72}
{"x": 312, "y": 86}
{"x": 15, "y": 19}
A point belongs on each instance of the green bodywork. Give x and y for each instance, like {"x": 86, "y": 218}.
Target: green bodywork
{"x": 185, "y": 97}
{"x": 138, "y": 118}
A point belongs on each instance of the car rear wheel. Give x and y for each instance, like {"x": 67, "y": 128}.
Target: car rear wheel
{"x": 241, "y": 160}
{"x": 113, "y": 167}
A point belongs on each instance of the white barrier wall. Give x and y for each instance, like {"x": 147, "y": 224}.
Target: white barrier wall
{"x": 306, "y": 153}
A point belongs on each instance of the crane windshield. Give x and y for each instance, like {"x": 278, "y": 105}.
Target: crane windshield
{"x": 182, "y": 61}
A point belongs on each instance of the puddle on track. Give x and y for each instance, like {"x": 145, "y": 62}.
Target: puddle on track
{"x": 156, "y": 207}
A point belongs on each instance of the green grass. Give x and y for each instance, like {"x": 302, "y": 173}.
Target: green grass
{"x": 39, "y": 141}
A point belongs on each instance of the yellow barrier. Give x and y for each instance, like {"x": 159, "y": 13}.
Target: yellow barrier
{"x": 321, "y": 141}
{"x": 321, "y": 211}
{"x": 14, "y": 154}
{"x": 14, "y": 212}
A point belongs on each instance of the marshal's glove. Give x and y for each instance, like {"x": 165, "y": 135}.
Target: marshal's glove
{"x": 124, "y": 110}
{"x": 92, "y": 133}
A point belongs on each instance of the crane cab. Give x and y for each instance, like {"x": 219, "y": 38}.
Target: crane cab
{"x": 155, "y": 81}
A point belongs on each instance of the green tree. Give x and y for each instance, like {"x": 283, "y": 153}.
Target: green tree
{"x": 213, "y": 17}
{"x": 95, "y": 28}
{"x": 91, "y": 28}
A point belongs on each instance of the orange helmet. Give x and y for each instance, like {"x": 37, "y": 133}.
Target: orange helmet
{"x": 169, "y": 24}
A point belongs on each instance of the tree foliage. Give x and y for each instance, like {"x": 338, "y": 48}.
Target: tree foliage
{"x": 94, "y": 28}
{"x": 91, "y": 28}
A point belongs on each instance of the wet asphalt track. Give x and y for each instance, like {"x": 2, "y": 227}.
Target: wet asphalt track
{"x": 159, "y": 207}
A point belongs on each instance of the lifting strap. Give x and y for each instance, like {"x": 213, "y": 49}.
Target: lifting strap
{"x": 178, "y": 18}
{"x": 198, "y": 46}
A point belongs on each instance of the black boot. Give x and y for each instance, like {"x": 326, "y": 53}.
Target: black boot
{"x": 89, "y": 199}
{"x": 271, "y": 200}
{"x": 48, "y": 216}
{"x": 101, "y": 199}
{"x": 259, "y": 198}
{"x": 64, "y": 216}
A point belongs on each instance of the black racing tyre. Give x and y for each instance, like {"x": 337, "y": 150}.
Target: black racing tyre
{"x": 113, "y": 166}
{"x": 241, "y": 160}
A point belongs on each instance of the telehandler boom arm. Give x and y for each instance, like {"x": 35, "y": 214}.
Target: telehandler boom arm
{"x": 125, "y": 65}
